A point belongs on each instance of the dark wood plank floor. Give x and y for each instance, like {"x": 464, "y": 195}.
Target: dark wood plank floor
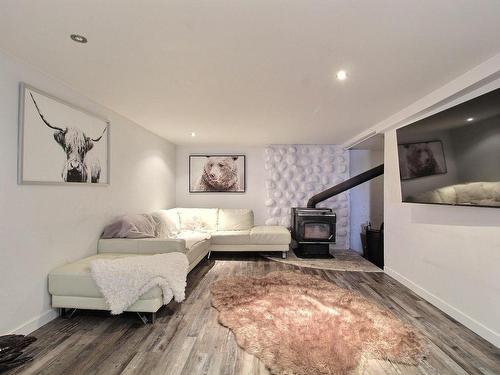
{"x": 186, "y": 338}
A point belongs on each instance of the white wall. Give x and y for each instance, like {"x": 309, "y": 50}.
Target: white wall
{"x": 448, "y": 255}
{"x": 367, "y": 200}
{"x": 419, "y": 185}
{"x": 297, "y": 172}
{"x": 471, "y": 144}
{"x": 255, "y": 181}
{"x": 42, "y": 227}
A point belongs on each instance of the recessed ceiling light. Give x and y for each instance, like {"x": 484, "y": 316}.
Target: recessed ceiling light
{"x": 78, "y": 38}
{"x": 470, "y": 119}
{"x": 341, "y": 75}
{"x": 193, "y": 134}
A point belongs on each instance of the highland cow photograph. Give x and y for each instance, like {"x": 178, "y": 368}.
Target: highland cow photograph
{"x": 60, "y": 143}
{"x": 421, "y": 159}
{"x": 217, "y": 173}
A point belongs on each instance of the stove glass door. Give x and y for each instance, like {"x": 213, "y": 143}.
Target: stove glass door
{"x": 316, "y": 231}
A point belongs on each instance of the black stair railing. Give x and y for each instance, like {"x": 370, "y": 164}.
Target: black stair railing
{"x": 345, "y": 185}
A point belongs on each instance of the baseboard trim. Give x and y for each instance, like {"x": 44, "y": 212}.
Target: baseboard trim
{"x": 483, "y": 331}
{"x": 35, "y": 323}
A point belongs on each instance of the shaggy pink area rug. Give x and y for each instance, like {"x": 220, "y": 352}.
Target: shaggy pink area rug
{"x": 301, "y": 324}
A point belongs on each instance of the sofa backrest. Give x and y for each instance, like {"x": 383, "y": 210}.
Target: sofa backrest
{"x": 476, "y": 193}
{"x": 235, "y": 219}
{"x": 445, "y": 194}
{"x": 169, "y": 222}
{"x": 198, "y": 219}
{"x": 176, "y": 220}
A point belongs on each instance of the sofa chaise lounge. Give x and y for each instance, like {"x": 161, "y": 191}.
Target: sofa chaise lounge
{"x": 194, "y": 232}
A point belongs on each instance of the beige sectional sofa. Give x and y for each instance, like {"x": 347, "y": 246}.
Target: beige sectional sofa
{"x": 198, "y": 231}
{"x": 192, "y": 231}
{"x": 474, "y": 193}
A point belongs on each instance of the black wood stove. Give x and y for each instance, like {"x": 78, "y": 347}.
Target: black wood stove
{"x": 313, "y": 229}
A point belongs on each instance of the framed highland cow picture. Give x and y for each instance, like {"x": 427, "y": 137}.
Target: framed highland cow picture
{"x": 421, "y": 159}
{"x": 217, "y": 173}
{"x": 60, "y": 143}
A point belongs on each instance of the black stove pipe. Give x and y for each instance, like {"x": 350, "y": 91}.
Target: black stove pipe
{"x": 346, "y": 185}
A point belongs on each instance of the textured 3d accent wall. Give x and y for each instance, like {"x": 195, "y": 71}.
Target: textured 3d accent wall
{"x": 297, "y": 172}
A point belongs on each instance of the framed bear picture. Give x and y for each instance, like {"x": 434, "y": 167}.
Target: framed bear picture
{"x": 217, "y": 173}
{"x": 421, "y": 159}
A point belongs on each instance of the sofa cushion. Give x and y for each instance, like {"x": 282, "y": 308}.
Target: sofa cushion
{"x": 232, "y": 237}
{"x": 198, "y": 219}
{"x": 446, "y": 194}
{"x": 234, "y": 219}
{"x": 269, "y": 235}
{"x": 169, "y": 222}
{"x": 74, "y": 279}
{"x": 193, "y": 237}
{"x": 470, "y": 192}
{"x": 492, "y": 190}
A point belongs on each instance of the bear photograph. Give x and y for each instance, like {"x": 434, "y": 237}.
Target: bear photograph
{"x": 421, "y": 159}
{"x": 217, "y": 173}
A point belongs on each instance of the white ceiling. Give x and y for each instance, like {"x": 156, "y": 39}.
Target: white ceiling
{"x": 255, "y": 71}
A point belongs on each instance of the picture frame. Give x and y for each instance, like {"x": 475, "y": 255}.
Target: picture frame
{"x": 60, "y": 143}
{"x": 421, "y": 159}
{"x": 217, "y": 173}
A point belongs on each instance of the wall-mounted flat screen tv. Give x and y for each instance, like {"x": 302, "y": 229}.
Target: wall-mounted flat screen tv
{"x": 453, "y": 157}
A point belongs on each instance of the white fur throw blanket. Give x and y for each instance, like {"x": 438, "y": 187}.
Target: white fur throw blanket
{"x": 122, "y": 281}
